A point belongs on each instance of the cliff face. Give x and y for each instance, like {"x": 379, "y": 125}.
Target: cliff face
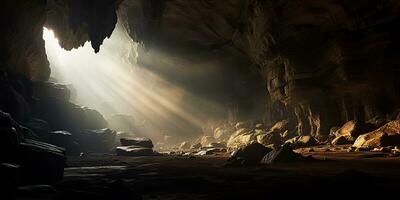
{"x": 324, "y": 62}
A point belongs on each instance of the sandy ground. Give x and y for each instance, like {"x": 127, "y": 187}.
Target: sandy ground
{"x": 332, "y": 175}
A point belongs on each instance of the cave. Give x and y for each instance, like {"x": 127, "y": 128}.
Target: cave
{"x": 199, "y": 99}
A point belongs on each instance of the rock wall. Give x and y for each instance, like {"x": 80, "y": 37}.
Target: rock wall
{"x": 327, "y": 61}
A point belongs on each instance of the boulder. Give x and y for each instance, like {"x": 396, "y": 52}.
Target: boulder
{"x": 142, "y": 142}
{"x": 249, "y": 154}
{"x": 41, "y": 163}
{"x": 341, "y": 140}
{"x": 241, "y": 138}
{"x": 302, "y": 141}
{"x": 387, "y": 135}
{"x": 185, "y": 145}
{"x": 42, "y": 90}
{"x": 38, "y": 162}
{"x": 353, "y": 129}
{"x": 282, "y": 155}
{"x": 62, "y": 115}
{"x": 305, "y": 141}
{"x": 99, "y": 141}
{"x": 65, "y": 140}
{"x": 270, "y": 138}
{"x": 134, "y": 151}
{"x": 40, "y": 127}
{"x": 280, "y": 126}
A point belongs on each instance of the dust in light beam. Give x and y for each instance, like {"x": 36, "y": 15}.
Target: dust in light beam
{"x": 111, "y": 82}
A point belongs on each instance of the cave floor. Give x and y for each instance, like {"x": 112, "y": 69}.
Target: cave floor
{"x": 331, "y": 175}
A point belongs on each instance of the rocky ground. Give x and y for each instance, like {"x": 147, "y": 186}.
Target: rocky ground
{"x": 336, "y": 173}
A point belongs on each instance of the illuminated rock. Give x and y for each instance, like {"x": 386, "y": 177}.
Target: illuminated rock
{"x": 341, "y": 140}
{"x": 240, "y": 138}
{"x": 387, "y": 135}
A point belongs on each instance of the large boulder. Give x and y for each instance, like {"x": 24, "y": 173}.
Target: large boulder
{"x": 42, "y": 90}
{"x": 65, "y": 140}
{"x": 341, "y": 140}
{"x": 273, "y": 137}
{"x": 387, "y": 135}
{"x": 62, "y": 115}
{"x": 249, "y": 154}
{"x": 142, "y": 142}
{"x": 280, "y": 126}
{"x": 134, "y": 151}
{"x": 38, "y": 126}
{"x": 283, "y": 155}
{"x": 41, "y": 163}
{"x": 353, "y": 128}
{"x": 240, "y": 138}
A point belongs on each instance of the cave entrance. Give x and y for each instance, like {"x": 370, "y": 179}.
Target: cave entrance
{"x": 111, "y": 82}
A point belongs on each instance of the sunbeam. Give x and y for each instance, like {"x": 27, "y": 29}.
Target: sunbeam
{"x": 112, "y": 78}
